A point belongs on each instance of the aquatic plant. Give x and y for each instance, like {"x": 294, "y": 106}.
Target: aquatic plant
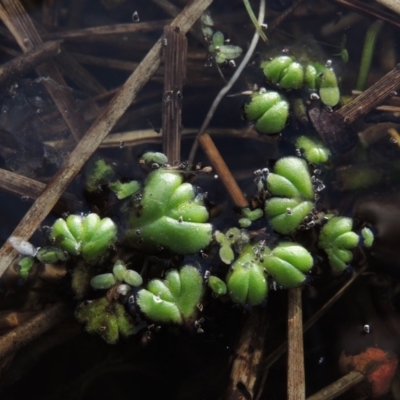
{"x": 292, "y": 194}
{"x": 173, "y": 299}
{"x": 223, "y": 52}
{"x": 170, "y": 216}
{"x": 288, "y": 263}
{"x": 337, "y": 239}
{"x": 290, "y": 74}
{"x": 268, "y": 109}
{"x": 108, "y": 319}
{"x": 313, "y": 150}
{"x": 85, "y": 235}
{"x": 246, "y": 280}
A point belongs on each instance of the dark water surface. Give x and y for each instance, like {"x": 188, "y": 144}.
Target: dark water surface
{"x": 174, "y": 363}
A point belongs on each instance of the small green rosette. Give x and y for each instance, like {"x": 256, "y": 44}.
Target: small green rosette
{"x": 337, "y": 239}
{"x": 223, "y": 52}
{"x": 170, "y": 216}
{"x": 284, "y": 71}
{"x": 88, "y": 236}
{"x": 288, "y": 263}
{"x": 246, "y": 281}
{"x": 106, "y": 319}
{"x": 269, "y": 110}
{"x": 174, "y": 299}
{"x": 313, "y": 150}
{"x": 292, "y": 194}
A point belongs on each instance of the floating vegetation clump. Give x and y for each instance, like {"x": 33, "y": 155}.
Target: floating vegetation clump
{"x": 154, "y": 241}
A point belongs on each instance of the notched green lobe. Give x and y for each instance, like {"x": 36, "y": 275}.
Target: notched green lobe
{"x": 169, "y": 216}
{"x": 174, "y": 299}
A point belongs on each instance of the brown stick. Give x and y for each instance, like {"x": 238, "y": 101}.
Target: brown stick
{"x": 31, "y": 59}
{"x": 78, "y": 74}
{"x": 14, "y": 16}
{"x": 117, "y": 29}
{"x": 175, "y": 52}
{"x": 339, "y": 387}
{"x": 295, "y": 371}
{"x": 32, "y": 329}
{"x": 243, "y": 382}
{"x": 222, "y": 170}
{"x": 371, "y": 97}
{"x": 280, "y": 350}
{"x": 363, "y": 8}
{"x": 95, "y": 135}
{"x": 30, "y": 188}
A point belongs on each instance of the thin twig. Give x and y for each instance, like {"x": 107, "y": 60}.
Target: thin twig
{"x": 296, "y": 387}
{"x": 117, "y": 29}
{"x": 14, "y": 16}
{"x": 31, "y": 59}
{"x": 175, "y": 52}
{"x": 254, "y": 21}
{"x": 229, "y": 85}
{"x": 372, "y": 97}
{"x": 339, "y": 387}
{"x": 280, "y": 350}
{"x": 25, "y": 333}
{"x": 31, "y": 189}
{"x": 95, "y": 135}
{"x": 222, "y": 170}
{"x": 244, "y": 378}
{"x": 173, "y": 11}
{"x": 283, "y": 15}
{"x": 364, "y": 8}
{"x": 142, "y": 136}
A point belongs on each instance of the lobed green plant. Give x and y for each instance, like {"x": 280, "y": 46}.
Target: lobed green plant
{"x": 292, "y": 194}
{"x": 337, "y": 239}
{"x": 169, "y": 216}
{"x": 314, "y": 151}
{"x": 290, "y": 74}
{"x": 108, "y": 319}
{"x": 173, "y": 299}
{"x": 86, "y": 235}
{"x": 269, "y": 110}
{"x": 166, "y": 222}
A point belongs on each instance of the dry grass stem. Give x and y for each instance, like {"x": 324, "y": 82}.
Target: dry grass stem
{"x": 247, "y": 364}
{"x": 22, "y": 28}
{"x": 223, "y": 92}
{"x": 117, "y": 29}
{"x": 372, "y": 97}
{"x": 95, "y": 135}
{"x": 295, "y": 369}
{"x": 28, "y": 61}
{"x": 175, "y": 52}
{"x": 12, "y": 319}
{"x": 31, "y": 189}
{"x": 222, "y": 170}
{"x": 283, "y": 15}
{"x": 134, "y": 138}
{"x": 30, "y": 330}
{"x": 339, "y": 387}
{"x": 79, "y": 75}
{"x": 280, "y": 350}
{"x": 363, "y": 8}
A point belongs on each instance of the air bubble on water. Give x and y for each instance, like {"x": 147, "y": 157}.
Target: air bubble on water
{"x": 135, "y": 17}
{"x": 157, "y": 299}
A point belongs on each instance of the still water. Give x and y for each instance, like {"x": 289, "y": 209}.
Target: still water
{"x": 359, "y": 181}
